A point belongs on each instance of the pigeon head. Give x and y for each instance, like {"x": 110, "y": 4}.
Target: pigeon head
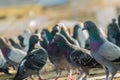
{"x": 77, "y": 26}
{"x": 92, "y": 29}
{"x": 46, "y": 34}
{"x": 34, "y": 39}
{"x": 96, "y": 37}
{"x": 56, "y": 28}
{"x": 27, "y": 32}
{"x": 113, "y": 20}
{"x": 89, "y": 25}
{"x": 43, "y": 33}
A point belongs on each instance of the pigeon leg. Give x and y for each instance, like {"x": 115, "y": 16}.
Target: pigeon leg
{"x": 56, "y": 78}
{"x": 58, "y": 74}
{"x": 106, "y": 72}
{"x": 76, "y": 72}
{"x": 45, "y": 70}
{"x": 112, "y": 75}
{"x": 85, "y": 77}
{"x": 70, "y": 75}
{"x": 80, "y": 74}
{"x": 39, "y": 78}
{"x": 86, "y": 71}
{"x": 31, "y": 78}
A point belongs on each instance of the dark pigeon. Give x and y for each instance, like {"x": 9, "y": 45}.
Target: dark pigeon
{"x": 33, "y": 62}
{"x": 76, "y": 56}
{"x": 114, "y": 32}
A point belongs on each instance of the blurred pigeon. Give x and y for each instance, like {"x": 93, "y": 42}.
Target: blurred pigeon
{"x": 113, "y": 31}
{"x": 46, "y": 38}
{"x": 13, "y": 55}
{"x": 3, "y": 64}
{"x": 104, "y": 52}
{"x": 79, "y": 35}
{"x": 27, "y": 34}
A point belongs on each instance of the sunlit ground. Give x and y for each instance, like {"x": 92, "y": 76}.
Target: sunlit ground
{"x": 48, "y": 73}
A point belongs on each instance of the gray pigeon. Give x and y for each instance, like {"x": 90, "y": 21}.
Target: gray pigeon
{"x": 104, "y": 52}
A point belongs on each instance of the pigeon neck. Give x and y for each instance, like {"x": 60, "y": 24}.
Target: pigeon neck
{"x": 96, "y": 39}
{"x": 75, "y": 34}
{"x": 31, "y": 46}
{"x": 68, "y": 37}
{"x": 46, "y": 40}
{"x": 53, "y": 33}
{"x": 44, "y": 43}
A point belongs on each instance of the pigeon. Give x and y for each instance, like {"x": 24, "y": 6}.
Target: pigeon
{"x": 79, "y": 35}
{"x": 103, "y": 51}
{"x": 3, "y": 64}
{"x": 33, "y": 62}
{"x": 27, "y": 34}
{"x": 13, "y": 55}
{"x": 113, "y": 32}
{"x": 46, "y": 38}
{"x": 58, "y": 60}
{"x": 76, "y": 56}
{"x": 56, "y": 28}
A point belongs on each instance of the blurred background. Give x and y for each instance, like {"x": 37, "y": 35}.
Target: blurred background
{"x": 17, "y": 15}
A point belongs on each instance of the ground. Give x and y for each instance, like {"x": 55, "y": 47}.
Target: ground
{"x": 48, "y": 73}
